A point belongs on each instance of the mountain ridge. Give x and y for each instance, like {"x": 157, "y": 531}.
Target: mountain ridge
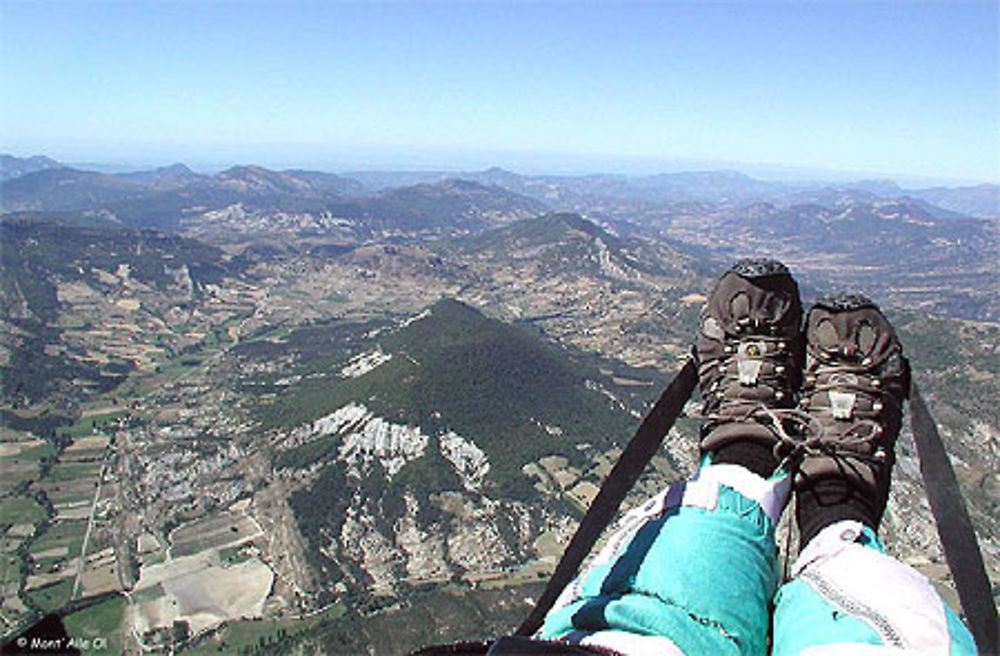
{"x": 14, "y": 167}
{"x": 727, "y": 187}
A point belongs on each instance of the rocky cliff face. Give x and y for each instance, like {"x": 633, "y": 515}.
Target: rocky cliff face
{"x": 397, "y": 528}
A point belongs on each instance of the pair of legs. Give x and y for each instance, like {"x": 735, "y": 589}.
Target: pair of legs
{"x": 813, "y": 413}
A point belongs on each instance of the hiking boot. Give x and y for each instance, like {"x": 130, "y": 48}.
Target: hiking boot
{"x": 854, "y": 383}
{"x": 749, "y": 352}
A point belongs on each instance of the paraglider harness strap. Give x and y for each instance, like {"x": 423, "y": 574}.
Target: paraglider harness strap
{"x": 954, "y": 527}
{"x": 633, "y": 460}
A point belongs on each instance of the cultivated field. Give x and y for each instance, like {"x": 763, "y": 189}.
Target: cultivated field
{"x": 206, "y": 579}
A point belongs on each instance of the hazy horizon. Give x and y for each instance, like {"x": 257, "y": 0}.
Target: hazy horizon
{"x": 546, "y": 165}
{"x": 778, "y": 90}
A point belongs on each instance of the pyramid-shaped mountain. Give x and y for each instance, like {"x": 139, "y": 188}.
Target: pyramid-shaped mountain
{"x": 515, "y": 395}
{"x": 442, "y": 445}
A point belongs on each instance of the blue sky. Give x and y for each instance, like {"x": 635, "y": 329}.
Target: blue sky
{"x": 889, "y": 88}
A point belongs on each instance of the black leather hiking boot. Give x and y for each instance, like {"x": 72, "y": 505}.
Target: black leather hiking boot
{"x": 855, "y": 381}
{"x": 749, "y": 352}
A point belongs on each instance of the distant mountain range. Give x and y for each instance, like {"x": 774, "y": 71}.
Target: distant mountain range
{"x": 73, "y": 189}
{"x": 936, "y": 248}
{"x": 727, "y": 188}
{"x": 170, "y": 197}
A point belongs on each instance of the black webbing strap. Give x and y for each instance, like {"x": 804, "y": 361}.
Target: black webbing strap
{"x": 634, "y": 458}
{"x": 958, "y": 538}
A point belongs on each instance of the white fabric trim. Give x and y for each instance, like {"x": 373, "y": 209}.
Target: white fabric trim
{"x": 864, "y": 649}
{"x": 874, "y": 588}
{"x": 828, "y": 543}
{"x": 632, "y": 644}
{"x": 770, "y": 494}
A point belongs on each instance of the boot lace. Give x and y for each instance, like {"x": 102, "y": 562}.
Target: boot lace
{"x": 761, "y": 361}
{"x": 818, "y": 432}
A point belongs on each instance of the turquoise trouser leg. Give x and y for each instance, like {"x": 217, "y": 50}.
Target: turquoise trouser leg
{"x": 696, "y": 564}
{"x": 848, "y": 597}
